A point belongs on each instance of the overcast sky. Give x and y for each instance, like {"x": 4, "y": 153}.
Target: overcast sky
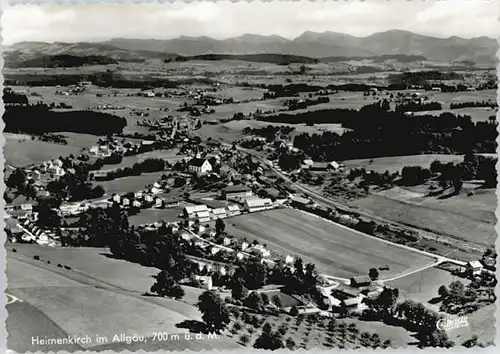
{"x": 72, "y": 23}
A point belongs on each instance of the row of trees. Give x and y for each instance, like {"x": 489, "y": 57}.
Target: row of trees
{"x": 458, "y": 105}
{"x": 418, "y": 107}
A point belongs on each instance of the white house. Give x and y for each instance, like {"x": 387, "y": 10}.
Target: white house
{"x": 475, "y": 267}
{"x": 289, "y": 259}
{"x": 244, "y": 246}
{"x": 158, "y": 203}
{"x": 219, "y": 213}
{"x": 205, "y": 281}
{"x": 253, "y": 205}
{"x": 199, "y": 166}
{"x": 203, "y": 216}
{"x": 136, "y": 204}
{"x": 148, "y": 198}
{"x": 190, "y": 211}
{"x": 233, "y": 210}
{"x": 138, "y": 195}
{"x": 27, "y": 207}
{"x": 117, "y": 198}
{"x": 155, "y": 190}
{"x": 125, "y": 201}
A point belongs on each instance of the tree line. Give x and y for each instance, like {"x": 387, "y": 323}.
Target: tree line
{"x": 473, "y": 104}
{"x": 39, "y": 119}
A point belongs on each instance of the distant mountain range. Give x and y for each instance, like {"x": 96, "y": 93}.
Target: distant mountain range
{"x": 481, "y": 50}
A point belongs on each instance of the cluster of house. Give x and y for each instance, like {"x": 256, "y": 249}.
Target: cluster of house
{"x": 21, "y": 211}
{"x": 116, "y": 146}
{"x": 145, "y": 199}
{"x": 351, "y": 296}
{"x": 202, "y": 213}
{"x": 28, "y": 232}
{"x": 311, "y": 165}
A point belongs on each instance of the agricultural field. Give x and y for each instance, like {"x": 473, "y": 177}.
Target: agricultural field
{"x": 49, "y": 307}
{"x": 465, "y": 217}
{"x": 129, "y": 184}
{"x": 128, "y": 161}
{"x": 19, "y": 150}
{"x": 233, "y": 130}
{"x": 55, "y": 295}
{"x": 336, "y": 250}
{"x": 396, "y": 163}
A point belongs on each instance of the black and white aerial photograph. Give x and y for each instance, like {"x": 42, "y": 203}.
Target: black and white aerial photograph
{"x": 250, "y": 175}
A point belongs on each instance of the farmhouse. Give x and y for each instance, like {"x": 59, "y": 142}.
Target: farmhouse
{"x": 233, "y": 210}
{"x": 299, "y": 202}
{"x": 344, "y": 292}
{"x": 474, "y": 268}
{"x": 219, "y": 213}
{"x": 238, "y": 191}
{"x": 363, "y": 280}
{"x": 199, "y": 166}
{"x": 253, "y": 205}
{"x": 190, "y": 211}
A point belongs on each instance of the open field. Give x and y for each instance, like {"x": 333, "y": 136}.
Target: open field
{"x": 128, "y": 161}
{"x": 336, "y": 251}
{"x": 20, "y": 150}
{"x": 396, "y": 163}
{"x": 233, "y": 130}
{"x": 129, "y": 184}
{"x": 73, "y": 306}
{"x": 146, "y": 216}
{"x": 423, "y": 286}
{"x": 64, "y": 301}
{"x": 470, "y": 218}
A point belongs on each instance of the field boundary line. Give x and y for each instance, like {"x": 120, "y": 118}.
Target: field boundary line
{"x": 408, "y": 248}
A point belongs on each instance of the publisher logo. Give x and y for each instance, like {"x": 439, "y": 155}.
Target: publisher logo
{"x": 447, "y": 324}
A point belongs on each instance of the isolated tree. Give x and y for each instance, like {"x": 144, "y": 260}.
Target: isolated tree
{"x": 294, "y": 311}
{"x": 47, "y": 217}
{"x": 277, "y": 301}
{"x": 373, "y": 274}
{"x": 443, "y": 291}
{"x": 239, "y": 291}
{"x": 254, "y": 301}
{"x": 265, "y": 299}
{"x": 290, "y": 343}
{"x": 244, "y": 339}
{"x": 269, "y": 341}
{"x": 166, "y": 286}
{"x": 220, "y": 226}
{"x": 214, "y": 312}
